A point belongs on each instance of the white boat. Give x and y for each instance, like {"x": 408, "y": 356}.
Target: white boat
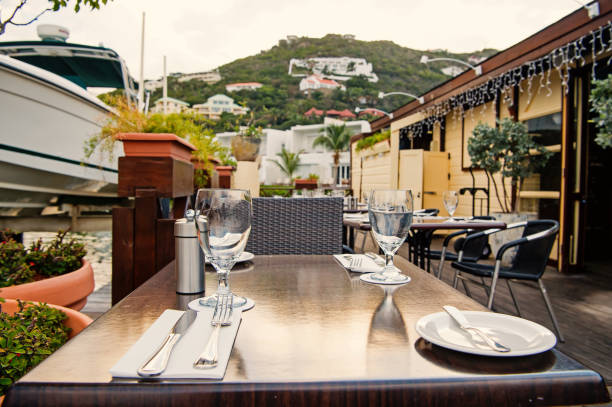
{"x": 46, "y": 116}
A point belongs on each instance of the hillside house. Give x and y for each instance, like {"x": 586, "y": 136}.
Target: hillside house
{"x": 315, "y": 82}
{"x": 172, "y": 106}
{"x": 207, "y": 77}
{"x": 218, "y": 104}
{"x": 234, "y": 87}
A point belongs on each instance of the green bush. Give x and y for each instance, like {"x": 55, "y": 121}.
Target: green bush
{"x": 18, "y": 265}
{"x": 368, "y": 142}
{"x": 601, "y": 104}
{"x": 268, "y": 191}
{"x": 28, "y": 337}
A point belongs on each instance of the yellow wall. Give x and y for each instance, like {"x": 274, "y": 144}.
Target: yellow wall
{"x": 544, "y": 100}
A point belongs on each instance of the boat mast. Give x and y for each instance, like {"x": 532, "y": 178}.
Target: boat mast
{"x": 141, "y": 79}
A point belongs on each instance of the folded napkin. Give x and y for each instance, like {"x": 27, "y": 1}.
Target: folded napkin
{"x": 186, "y": 350}
{"x": 368, "y": 265}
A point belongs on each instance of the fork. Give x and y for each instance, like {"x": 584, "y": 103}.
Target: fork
{"x": 221, "y": 317}
{"x": 355, "y": 263}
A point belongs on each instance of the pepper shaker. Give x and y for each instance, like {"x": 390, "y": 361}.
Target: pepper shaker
{"x": 189, "y": 259}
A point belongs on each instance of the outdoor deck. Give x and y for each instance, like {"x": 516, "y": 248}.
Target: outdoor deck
{"x": 581, "y": 302}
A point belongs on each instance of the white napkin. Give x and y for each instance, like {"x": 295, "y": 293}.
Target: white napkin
{"x": 368, "y": 265}
{"x": 187, "y": 349}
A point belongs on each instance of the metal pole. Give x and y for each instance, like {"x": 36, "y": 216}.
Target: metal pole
{"x": 141, "y": 79}
{"x": 165, "y": 95}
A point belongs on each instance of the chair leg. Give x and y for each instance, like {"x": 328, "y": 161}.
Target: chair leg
{"x": 456, "y": 279}
{"x": 516, "y": 305}
{"x": 441, "y": 266}
{"x": 550, "y": 309}
{"x": 494, "y": 283}
{"x": 466, "y": 288}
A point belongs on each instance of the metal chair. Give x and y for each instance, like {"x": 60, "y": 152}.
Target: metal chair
{"x": 529, "y": 263}
{"x": 296, "y": 226}
{"x": 475, "y": 250}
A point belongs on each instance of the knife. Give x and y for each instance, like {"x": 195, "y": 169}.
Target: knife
{"x": 466, "y": 326}
{"x": 155, "y": 365}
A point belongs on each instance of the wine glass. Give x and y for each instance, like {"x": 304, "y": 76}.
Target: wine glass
{"x": 450, "y": 200}
{"x": 223, "y": 220}
{"x": 390, "y": 213}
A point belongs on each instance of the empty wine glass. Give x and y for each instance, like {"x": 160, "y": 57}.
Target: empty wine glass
{"x": 390, "y": 213}
{"x": 450, "y": 200}
{"x": 223, "y": 222}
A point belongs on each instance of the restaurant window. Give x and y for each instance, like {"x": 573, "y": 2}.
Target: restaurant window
{"x": 541, "y": 192}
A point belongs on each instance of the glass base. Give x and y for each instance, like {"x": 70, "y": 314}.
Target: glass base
{"x": 389, "y": 277}
{"x": 211, "y": 301}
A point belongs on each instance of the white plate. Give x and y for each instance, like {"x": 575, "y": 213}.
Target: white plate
{"x": 522, "y": 336}
{"x": 245, "y": 256}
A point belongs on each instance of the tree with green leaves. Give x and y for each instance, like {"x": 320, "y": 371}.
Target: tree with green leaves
{"x": 510, "y": 150}
{"x": 289, "y": 162}
{"x": 53, "y": 5}
{"x": 335, "y": 138}
{"x": 601, "y": 104}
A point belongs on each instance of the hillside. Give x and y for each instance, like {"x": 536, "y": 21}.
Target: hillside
{"x": 280, "y": 104}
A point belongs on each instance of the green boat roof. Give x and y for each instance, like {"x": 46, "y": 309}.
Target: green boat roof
{"x": 85, "y": 65}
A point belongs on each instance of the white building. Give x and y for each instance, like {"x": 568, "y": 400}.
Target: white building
{"x": 152, "y": 85}
{"x": 318, "y": 82}
{"x": 218, "y": 104}
{"x": 453, "y": 70}
{"x": 234, "y": 87}
{"x": 172, "y": 106}
{"x": 340, "y": 68}
{"x": 208, "y": 77}
{"x": 313, "y": 160}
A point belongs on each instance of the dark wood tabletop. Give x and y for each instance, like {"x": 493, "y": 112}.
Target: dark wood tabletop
{"x": 316, "y": 336}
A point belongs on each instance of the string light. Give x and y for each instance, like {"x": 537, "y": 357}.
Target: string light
{"x": 561, "y": 59}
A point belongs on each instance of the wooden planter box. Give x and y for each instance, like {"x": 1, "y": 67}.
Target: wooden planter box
{"x": 380, "y": 147}
{"x": 68, "y": 290}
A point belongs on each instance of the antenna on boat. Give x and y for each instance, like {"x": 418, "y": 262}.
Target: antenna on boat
{"x": 165, "y": 95}
{"x": 141, "y": 103}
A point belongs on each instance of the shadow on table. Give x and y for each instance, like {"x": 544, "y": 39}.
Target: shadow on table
{"x": 466, "y": 363}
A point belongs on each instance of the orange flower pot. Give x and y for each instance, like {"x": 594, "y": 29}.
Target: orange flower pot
{"x": 156, "y": 145}
{"x": 68, "y": 290}
{"x": 76, "y": 321}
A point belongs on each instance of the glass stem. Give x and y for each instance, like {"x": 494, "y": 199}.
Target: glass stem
{"x": 224, "y": 286}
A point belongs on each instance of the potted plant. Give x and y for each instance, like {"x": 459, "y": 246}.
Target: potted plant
{"x": 55, "y": 273}
{"x": 245, "y": 144}
{"x": 601, "y": 104}
{"x": 511, "y": 152}
{"x": 30, "y": 333}
{"x": 309, "y": 183}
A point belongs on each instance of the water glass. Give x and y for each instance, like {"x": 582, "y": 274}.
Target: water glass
{"x": 223, "y": 221}
{"x": 450, "y": 199}
{"x": 390, "y": 213}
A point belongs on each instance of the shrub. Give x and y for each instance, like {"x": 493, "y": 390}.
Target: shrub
{"x": 18, "y": 265}
{"x": 368, "y": 142}
{"x": 28, "y": 337}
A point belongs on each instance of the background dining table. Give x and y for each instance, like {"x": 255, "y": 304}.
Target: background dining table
{"x": 316, "y": 336}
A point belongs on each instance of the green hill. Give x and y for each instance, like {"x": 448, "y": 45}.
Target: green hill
{"x": 280, "y": 104}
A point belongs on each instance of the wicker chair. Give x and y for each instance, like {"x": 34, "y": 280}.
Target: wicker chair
{"x": 296, "y": 226}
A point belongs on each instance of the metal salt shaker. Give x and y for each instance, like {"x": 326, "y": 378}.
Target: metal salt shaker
{"x": 189, "y": 260}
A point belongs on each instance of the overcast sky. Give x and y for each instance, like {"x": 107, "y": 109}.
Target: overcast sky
{"x": 199, "y": 35}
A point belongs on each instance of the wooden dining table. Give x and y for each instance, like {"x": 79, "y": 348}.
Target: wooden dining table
{"x": 316, "y": 336}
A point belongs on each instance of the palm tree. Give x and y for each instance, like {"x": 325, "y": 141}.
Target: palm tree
{"x": 289, "y": 162}
{"x": 336, "y": 139}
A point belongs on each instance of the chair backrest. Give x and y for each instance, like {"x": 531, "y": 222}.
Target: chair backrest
{"x": 475, "y": 248}
{"x": 296, "y": 226}
{"x": 532, "y": 255}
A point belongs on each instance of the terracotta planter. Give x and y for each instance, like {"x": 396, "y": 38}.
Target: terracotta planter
{"x": 156, "y": 145}
{"x": 68, "y": 290}
{"x": 76, "y": 321}
{"x": 306, "y": 183}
